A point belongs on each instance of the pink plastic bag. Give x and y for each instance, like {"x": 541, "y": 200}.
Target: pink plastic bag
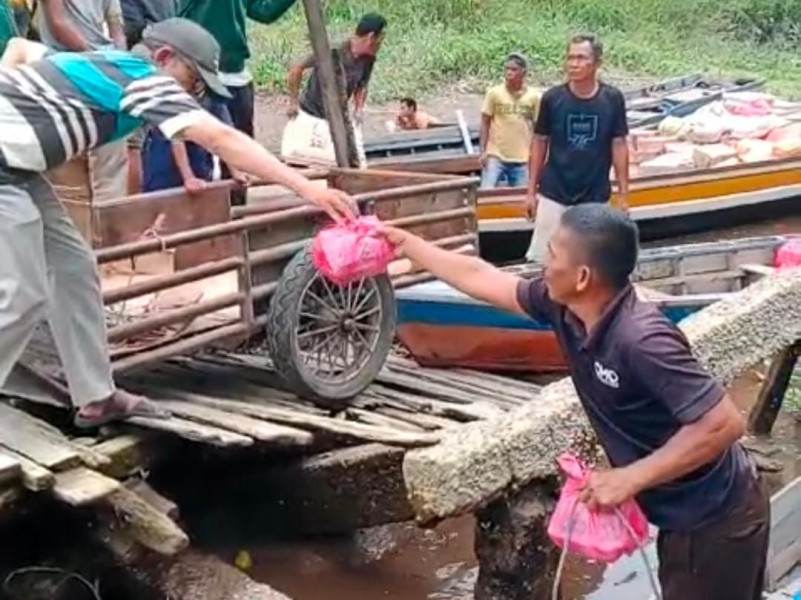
{"x": 599, "y": 536}
{"x": 344, "y": 253}
{"x": 789, "y": 255}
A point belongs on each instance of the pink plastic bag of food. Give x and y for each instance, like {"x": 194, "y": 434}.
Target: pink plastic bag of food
{"x": 344, "y": 253}
{"x": 601, "y": 536}
{"x": 789, "y": 255}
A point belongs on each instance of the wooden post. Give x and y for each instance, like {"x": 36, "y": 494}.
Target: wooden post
{"x": 329, "y": 85}
{"x": 771, "y": 396}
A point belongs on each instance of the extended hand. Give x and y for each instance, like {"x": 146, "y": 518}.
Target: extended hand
{"x": 531, "y": 207}
{"x": 623, "y": 203}
{"x": 339, "y": 205}
{"x": 194, "y": 186}
{"x": 606, "y": 490}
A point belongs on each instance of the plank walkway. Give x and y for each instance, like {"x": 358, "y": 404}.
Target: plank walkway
{"x": 232, "y": 401}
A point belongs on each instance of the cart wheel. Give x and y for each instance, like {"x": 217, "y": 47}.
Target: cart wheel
{"x": 329, "y": 342}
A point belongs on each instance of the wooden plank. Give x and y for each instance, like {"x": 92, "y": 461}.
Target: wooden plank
{"x": 474, "y": 411}
{"x": 10, "y": 467}
{"x": 312, "y": 422}
{"x": 771, "y": 395}
{"x": 90, "y": 457}
{"x": 261, "y": 431}
{"x": 474, "y": 386}
{"x": 429, "y": 422}
{"x": 126, "y": 454}
{"x": 374, "y": 418}
{"x": 20, "y": 434}
{"x": 82, "y": 486}
{"x": 34, "y": 476}
{"x": 784, "y": 552}
{"x": 152, "y": 497}
{"x": 194, "y": 432}
{"x": 145, "y": 523}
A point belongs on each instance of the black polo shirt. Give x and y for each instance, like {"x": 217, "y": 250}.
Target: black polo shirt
{"x": 639, "y": 383}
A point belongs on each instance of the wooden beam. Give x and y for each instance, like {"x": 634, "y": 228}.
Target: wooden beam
{"x": 769, "y": 402}
{"x": 145, "y": 523}
{"x": 83, "y": 486}
{"x": 329, "y": 85}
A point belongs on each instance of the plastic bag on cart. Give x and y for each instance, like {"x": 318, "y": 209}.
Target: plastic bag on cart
{"x": 602, "y": 536}
{"x": 789, "y": 255}
{"x": 347, "y": 252}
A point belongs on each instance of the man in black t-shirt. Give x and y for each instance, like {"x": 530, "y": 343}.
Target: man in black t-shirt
{"x": 669, "y": 429}
{"x": 580, "y": 134}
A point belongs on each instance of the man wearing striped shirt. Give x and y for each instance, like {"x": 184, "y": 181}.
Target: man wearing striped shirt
{"x": 64, "y": 104}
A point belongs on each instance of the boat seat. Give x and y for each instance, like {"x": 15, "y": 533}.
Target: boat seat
{"x": 755, "y": 269}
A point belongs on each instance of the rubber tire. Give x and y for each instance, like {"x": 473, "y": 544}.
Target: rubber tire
{"x": 281, "y": 328}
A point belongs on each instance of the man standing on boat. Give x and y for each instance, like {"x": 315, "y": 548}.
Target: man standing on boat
{"x": 580, "y": 135}
{"x": 669, "y": 430}
{"x": 47, "y": 269}
{"x": 507, "y": 122}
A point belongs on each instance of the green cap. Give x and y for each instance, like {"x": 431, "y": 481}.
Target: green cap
{"x": 192, "y": 43}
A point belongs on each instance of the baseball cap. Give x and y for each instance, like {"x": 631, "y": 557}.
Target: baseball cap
{"x": 192, "y": 43}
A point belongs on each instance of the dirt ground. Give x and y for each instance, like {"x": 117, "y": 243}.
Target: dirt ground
{"x": 271, "y": 114}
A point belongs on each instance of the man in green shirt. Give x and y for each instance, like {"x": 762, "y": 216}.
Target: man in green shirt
{"x": 8, "y": 27}
{"x": 226, "y": 20}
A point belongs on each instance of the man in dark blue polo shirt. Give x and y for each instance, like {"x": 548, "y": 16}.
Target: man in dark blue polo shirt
{"x": 669, "y": 429}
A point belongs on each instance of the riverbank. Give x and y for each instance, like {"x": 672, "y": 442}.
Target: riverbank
{"x": 434, "y": 45}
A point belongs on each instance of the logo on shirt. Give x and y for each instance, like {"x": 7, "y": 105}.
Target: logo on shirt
{"x": 581, "y": 129}
{"x": 607, "y": 376}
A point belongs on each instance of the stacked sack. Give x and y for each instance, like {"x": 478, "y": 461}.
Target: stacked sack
{"x": 741, "y": 128}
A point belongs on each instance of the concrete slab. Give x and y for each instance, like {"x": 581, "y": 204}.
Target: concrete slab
{"x": 478, "y": 463}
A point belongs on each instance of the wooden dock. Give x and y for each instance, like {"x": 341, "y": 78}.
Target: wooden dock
{"x": 232, "y": 402}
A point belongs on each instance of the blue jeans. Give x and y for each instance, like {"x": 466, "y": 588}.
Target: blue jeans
{"x": 496, "y": 170}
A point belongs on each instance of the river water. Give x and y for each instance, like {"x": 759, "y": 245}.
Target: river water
{"x": 403, "y": 562}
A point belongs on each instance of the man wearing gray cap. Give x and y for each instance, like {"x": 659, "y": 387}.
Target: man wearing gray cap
{"x": 507, "y": 122}
{"x": 66, "y": 103}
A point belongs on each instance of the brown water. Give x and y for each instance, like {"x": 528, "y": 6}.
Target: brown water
{"x": 403, "y": 562}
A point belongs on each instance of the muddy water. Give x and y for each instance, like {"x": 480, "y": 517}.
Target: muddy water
{"x": 405, "y": 563}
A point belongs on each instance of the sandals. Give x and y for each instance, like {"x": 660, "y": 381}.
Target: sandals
{"x": 115, "y": 410}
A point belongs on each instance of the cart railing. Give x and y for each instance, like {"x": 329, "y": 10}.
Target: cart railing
{"x": 258, "y": 268}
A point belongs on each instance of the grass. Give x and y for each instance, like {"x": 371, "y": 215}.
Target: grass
{"x": 434, "y": 44}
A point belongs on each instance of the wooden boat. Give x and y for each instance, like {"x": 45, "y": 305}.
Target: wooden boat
{"x": 646, "y": 105}
{"x": 441, "y": 326}
{"x": 663, "y": 206}
{"x": 679, "y": 97}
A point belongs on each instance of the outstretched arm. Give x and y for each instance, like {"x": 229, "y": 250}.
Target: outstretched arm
{"x": 245, "y": 154}
{"x": 469, "y": 274}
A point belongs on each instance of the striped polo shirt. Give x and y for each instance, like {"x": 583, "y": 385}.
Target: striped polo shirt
{"x": 66, "y": 103}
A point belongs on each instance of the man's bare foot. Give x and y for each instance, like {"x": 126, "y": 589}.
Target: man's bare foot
{"x": 121, "y": 405}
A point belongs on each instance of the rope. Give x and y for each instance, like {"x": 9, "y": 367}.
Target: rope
{"x": 571, "y": 524}
{"x": 93, "y": 589}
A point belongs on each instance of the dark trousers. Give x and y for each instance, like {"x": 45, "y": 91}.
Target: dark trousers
{"x": 724, "y": 560}
{"x": 240, "y": 109}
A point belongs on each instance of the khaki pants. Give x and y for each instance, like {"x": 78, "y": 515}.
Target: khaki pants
{"x": 308, "y": 138}
{"x": 549, "y": 215}
{"x": 47, "y": 270}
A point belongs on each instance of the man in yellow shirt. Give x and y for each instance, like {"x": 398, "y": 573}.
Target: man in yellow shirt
{"x": 507, "y": 122}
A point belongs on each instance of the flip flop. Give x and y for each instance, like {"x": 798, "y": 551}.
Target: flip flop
{"x": 143, "y": 408}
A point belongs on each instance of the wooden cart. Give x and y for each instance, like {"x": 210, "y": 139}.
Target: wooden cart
{"x": 241, "y": 274}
